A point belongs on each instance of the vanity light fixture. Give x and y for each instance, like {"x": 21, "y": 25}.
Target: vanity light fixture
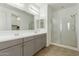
{"x": 33, "y": 9}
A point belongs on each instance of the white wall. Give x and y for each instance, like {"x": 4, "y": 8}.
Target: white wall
{"x": 50, "y": 12}
{"x": 44, "y": 15}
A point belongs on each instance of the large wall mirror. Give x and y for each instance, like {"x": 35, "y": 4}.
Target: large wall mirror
{"x": 12, "y": 18}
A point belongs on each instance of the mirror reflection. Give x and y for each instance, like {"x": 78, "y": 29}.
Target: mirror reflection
{"x": 14, "y": 18}
{"x": 15, "y": 22}
{"x": 41, "y": 23}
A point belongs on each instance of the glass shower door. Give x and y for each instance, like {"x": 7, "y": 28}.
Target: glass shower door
{"x": 68, "y": 35}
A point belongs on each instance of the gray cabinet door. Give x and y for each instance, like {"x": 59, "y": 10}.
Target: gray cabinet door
{"x": 29, "y": 48}
{"x": 40, "y": 42}
{"x": 37, "y": 44}
{"x": 12, "y": 51}
{"x": 34, "y": 44}
{"x": 43, "y": 41}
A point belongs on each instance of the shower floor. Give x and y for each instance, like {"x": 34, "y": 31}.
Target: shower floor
{"x": 53, "y": 50}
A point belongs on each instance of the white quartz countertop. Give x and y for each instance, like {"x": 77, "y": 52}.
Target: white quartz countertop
{"x": 18, "y": 36}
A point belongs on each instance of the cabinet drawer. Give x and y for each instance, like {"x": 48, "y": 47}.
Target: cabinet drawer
{"x": 7, "y": 44}
{"x": 43, "y": 35}
{"x": 13, "y": 51}
{"x": 29, "y": 43}
{"x": 34, "y": 37}
{"x": 29, "y": 38}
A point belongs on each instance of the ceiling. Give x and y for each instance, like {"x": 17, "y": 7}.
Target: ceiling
{"x": 58, "y": 6}
{"x": 54, "y": 6}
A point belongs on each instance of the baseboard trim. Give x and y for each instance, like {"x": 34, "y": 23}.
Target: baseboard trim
{"x": 69, "y": 47}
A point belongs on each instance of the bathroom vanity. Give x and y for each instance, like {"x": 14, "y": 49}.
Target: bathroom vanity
{"x": 15, "y": 38}
{"x": 24, "y": 46}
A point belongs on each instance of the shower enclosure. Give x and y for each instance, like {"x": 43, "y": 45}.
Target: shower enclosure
{"x": 64, "y": 31}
